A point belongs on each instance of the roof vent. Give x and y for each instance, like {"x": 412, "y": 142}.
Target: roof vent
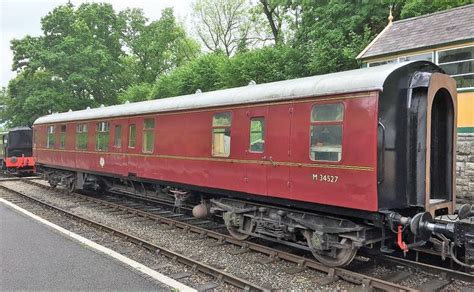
{"x": 127, "y": 101}
{"x": 70, "y": 110}
{"x": 198, "y": 91}
{"x": 252, "y": 82}
{"x": 102, "y": 105}
{"x": 88, "y": 108}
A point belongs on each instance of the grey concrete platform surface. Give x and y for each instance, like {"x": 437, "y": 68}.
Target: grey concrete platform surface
{"x": 34, "y": 257}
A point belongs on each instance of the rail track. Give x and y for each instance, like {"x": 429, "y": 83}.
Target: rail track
{"x": 193, "y": 265}
{"x": 204, "y": 228}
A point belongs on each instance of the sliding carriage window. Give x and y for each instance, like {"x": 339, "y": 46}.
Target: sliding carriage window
{"x": 132, "y": 135}
{"x": 257, "y": 135}
{"x": 81, "y": 137}
{"x": 50, "y": 138}
{"x": 62, "y": 137}
{"x": 102, "y": 142}
{"x": 148, "y": 135}
{"x": 118, "y": 136}
{"x": 326, "y": 132}
{"x": 221, "y": 124}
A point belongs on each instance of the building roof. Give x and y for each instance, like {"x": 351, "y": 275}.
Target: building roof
{"x": 358, "y": 80}
{"x": 424, "y": 31}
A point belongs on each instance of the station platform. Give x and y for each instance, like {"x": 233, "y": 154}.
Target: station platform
{"x": 34, "y": 256}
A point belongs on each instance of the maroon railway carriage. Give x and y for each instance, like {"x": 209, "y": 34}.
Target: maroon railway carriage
{"x": 328, "y": 163}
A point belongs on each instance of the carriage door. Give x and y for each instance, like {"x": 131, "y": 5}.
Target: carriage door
{"x": 117, "y": 146}
{"x": 256, "y": 150}
{"x": 441, "y": 145}
{"x": 278, "y": 150}
{"x": 133, "y": 146}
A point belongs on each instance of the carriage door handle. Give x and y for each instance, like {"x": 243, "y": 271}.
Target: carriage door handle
{"x": 381, "y": 175}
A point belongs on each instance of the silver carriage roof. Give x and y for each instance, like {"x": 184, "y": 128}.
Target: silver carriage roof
{"x": 357, "y": 80}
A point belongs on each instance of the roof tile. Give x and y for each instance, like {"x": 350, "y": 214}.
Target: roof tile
{"x": 425, "y": 31}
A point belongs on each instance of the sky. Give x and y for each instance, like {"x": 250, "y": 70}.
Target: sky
{"x": 19, "y": 18}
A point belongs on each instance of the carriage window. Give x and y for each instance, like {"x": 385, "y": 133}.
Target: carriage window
{"x": 148, "y": 135}
{"x": 50, "y": 139}
{"x": 221, "y": 124}
{"x": 102, "y": 136}
{"x": 132, "y": 133}
{"x": 327, "y": 113}
{"x": 62, "y": 137}
{"x": 81, "y": 137}
{"x": 257, "y": 135}
{"x": 118, "y": 136}
{"x": 326, "y": 132}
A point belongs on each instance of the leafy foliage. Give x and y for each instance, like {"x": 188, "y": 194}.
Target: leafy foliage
{"x": 157, "y": 47}
{"x": 136, "y": 92}
{"x": 205, "y": 73}
{"x": 33, "y": 95}
{"x": 419, "y": 7}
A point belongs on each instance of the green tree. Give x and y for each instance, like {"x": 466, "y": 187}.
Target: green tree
{"x": 80, "y": 48}
{"x": 158, "y": 47}
{"x": 223, "y": 25}
{"x": 90, "y": 55}
{"x": 333, "y": 32}
{"x": 420, "y": 7}
{"x": 31, "y": 95}
{"x": 282, "y": 18}
{"x": 206, "y": 73}
{"x": 136, "y": 92}
{"x": 267, "y": 64}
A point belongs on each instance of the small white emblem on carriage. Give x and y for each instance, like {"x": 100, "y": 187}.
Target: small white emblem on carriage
{"x": 102, "y": 162}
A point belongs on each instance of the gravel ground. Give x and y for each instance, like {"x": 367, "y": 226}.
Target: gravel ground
{"x": 248, "y": 265}
{"x": 158, "y": 262}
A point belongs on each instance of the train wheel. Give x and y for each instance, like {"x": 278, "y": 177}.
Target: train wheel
{"x": 237, "y": 233}
{"x": 337, "y": 256}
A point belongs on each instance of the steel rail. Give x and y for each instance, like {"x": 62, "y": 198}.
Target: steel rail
{"x": 6, "y": 176}
{"x": 16, "y": 178}
{"x": 445, "y": 272}
{"x": 194, "y": 264}
{"x": 301, "y": 262}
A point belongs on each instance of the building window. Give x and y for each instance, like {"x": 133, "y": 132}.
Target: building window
{"x": 221, "y": 124}
{"x": 118, "y": 136}
{"x": 419, "y": 57}
{"x": 132, "y": 135}
{"x": 326, "y": 132}
{"x": 459, "y": 63}
{"x": 62, "y": 137}
{"x": 102, "y": 136}
{"x": 148, "y": 135}
{"x": 257, "y": 135}
{"x": 81, "y": 137}
{"x": 50, "y": 138}
{"x": 378, "y": 63}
